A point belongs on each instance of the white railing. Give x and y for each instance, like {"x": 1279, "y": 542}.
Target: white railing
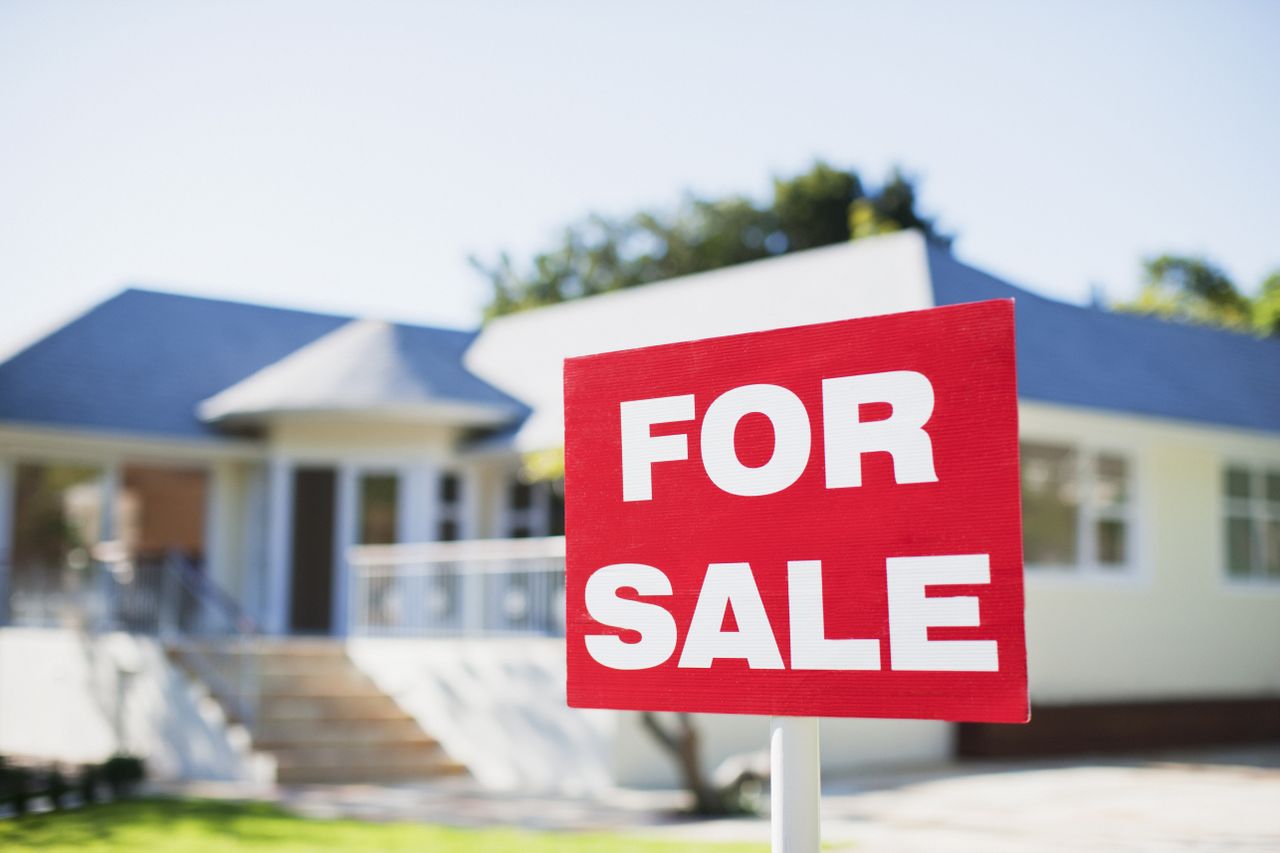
{"x": 476, "y": 588}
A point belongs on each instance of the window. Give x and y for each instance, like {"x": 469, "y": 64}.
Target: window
{"x": 555, "y": 508}
{"x": 1252, "y": 522}
{"x": 449, "y": 507}
{"x": 1076, "y": 508}
{"x": 379, "y": 499}
{"x": 535, "y": 509}
{"x": 526, "y": 509}
{"x": 521, "y": 495}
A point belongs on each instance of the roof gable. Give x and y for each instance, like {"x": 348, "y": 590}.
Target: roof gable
{"x": 370, "y": 366}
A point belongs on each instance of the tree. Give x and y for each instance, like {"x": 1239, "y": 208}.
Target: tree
{"x": 1194, "y": 290}
{"x": 598, "y": 254}
{"x": 1266, "y": 306}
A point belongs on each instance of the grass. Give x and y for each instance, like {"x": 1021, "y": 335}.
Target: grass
{"x": 213, "y": 826}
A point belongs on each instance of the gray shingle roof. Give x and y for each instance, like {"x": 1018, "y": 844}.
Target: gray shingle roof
{"x": 1101, "y": 359}
{"x": 142, "y": 362}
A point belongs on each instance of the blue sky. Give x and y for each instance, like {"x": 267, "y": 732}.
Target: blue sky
{"x": 349, "y": 156}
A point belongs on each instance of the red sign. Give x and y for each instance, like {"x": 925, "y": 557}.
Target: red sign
{"x": 813, "y": 521}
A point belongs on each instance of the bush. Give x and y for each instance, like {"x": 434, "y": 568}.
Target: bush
{"x": 15, "y": 787}
{"x": 90, "y": 777}
{"x": 19, "y": 784}
{"x": 123, "y": 773}
{"x": 56, "y": 788}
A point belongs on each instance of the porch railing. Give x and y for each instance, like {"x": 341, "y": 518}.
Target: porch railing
{"x": 173, "y": 600}
{"x": 476, "y": 588}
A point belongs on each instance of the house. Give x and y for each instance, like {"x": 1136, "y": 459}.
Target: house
{"x": 261, "y": 444}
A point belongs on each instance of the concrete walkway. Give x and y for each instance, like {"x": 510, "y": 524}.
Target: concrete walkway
{"x": 1203, "y": 802}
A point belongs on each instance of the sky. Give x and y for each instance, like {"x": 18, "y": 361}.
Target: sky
{"x": 350, "y": 157}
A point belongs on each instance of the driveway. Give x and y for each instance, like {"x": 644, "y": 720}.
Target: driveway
{"x": 1206, "y": 801}
{"x": 1203, "y": 802}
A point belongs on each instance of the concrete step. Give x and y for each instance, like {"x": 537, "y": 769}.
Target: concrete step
{"x": 322, "y": 719}
{"x": 355, "y": 736}
{"x": 314, "y": 680}
{"x": 318, "y": 686}
{"x": 367, "y": 774}
{"x": 317, "y": 714}
{"x": 331, "y": 707}
{"x": 338, "y": 754}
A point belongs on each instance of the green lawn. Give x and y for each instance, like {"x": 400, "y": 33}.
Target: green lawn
{"x": 197, "y": 826}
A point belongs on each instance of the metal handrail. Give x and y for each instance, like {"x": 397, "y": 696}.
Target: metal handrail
{"x": 187, "y": 611}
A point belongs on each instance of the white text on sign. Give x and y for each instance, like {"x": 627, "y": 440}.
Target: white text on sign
{"x": 845, "y": 437}
{"x": 732, "y": 586}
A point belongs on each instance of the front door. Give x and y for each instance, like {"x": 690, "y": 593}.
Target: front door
{"x": 311, "y": 592}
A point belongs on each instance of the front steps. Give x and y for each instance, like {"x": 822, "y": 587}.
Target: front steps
{"x": 324, "y": 721}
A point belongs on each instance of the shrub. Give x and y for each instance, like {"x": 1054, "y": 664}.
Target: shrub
{"x": 122, "y": 774}
{"x": 89, "y": 780}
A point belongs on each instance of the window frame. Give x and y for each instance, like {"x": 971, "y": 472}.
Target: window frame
{"x": 1258, "y": 509}
{"x": 1087, "y": 566}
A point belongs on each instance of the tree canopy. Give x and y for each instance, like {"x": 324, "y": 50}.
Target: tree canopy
{"x": 822, "y": 206}
{"x": 1194, "y": 290}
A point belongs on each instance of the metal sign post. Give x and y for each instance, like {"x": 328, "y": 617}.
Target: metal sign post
{"x": 795, "y": 784}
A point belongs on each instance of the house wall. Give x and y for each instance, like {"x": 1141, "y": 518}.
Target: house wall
{"x": 730, "y": 742}
{"x": 499, "y": 707}
{"x": 1174, "y": 626}
{"x": 72, "y": 698}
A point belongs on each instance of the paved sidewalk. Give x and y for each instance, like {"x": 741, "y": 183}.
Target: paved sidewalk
{"x": 1204, "y": 802}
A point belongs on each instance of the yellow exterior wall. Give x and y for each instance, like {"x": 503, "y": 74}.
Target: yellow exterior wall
{"x": 1174, "y": 626}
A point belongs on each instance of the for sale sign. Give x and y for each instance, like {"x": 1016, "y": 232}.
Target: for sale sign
{"x": 815, "y": 521}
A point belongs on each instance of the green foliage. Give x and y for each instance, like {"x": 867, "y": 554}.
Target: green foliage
{"x": 123, "y": 773}
{"x": 820, "y": 207}
{"x": 19, "y": 784}
{"x": 205, "y": 826}
{"x": 1194, "y": 290}
{"x": 1266, "y": 306}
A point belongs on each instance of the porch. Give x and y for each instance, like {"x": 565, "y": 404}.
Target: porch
{"x": 271, "y": 531}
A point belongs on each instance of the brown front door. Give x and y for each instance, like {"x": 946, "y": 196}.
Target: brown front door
{"x": 311, "y": 592}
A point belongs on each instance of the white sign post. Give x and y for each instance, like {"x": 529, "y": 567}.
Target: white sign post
{"x": 795, "y": 784}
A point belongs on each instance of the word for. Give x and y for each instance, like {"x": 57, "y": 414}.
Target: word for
{"x": 845, "y": 437}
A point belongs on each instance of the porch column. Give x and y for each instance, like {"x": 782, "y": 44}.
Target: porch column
{"x": 345, "y": 522}
{"x": 108, "y": 524}
{"x": 275, "y": 616}
{"x": 217, "y": 519}
{"x": 252, "y": 553}
{"x": 8, "y": 483}
{"x": 470, "y": 525}
{"x": 419, "y": 510}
